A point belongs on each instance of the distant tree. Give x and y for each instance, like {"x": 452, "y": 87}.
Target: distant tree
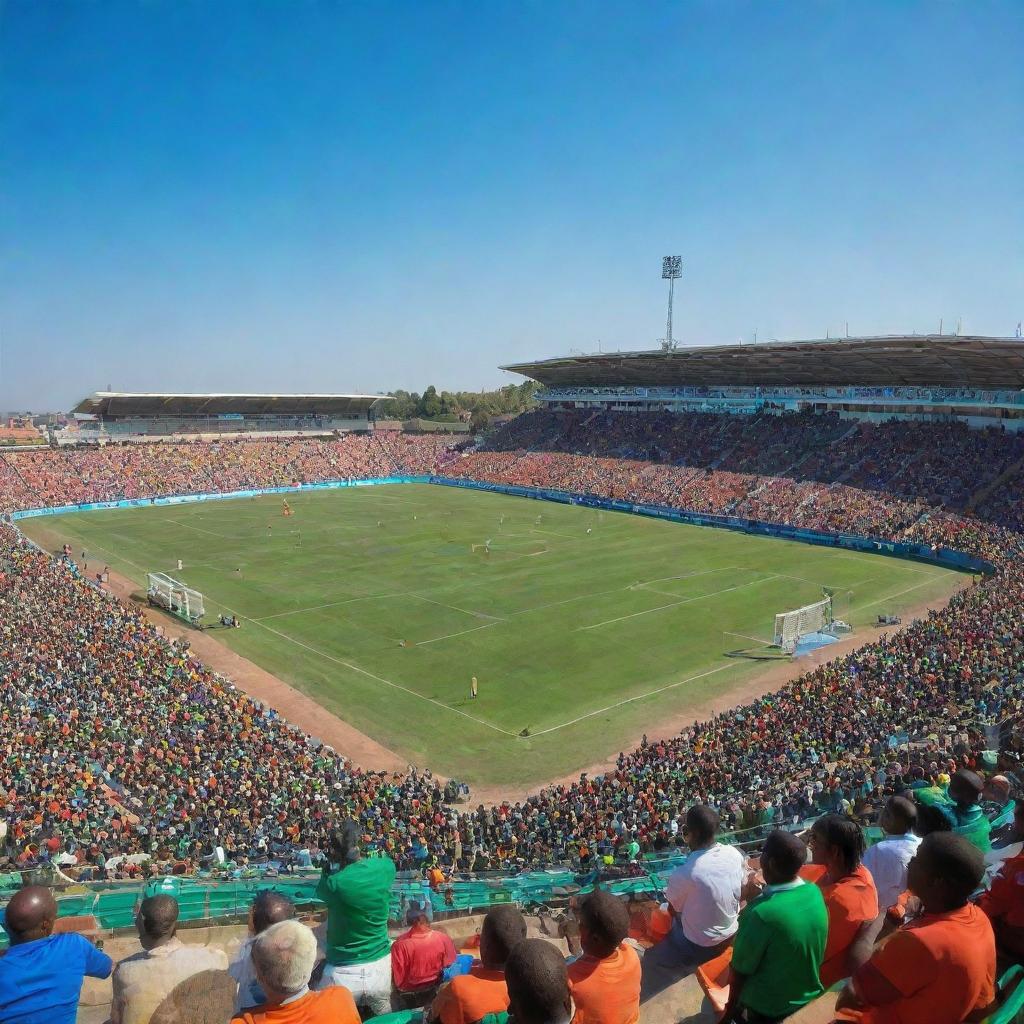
{"x": 479, "y": 406}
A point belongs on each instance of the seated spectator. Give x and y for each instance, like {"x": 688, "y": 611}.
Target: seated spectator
{"x": 469, "y": 997}
{"x": 284, "y": 955}
{"x": 965, "y": 812}
{"x": 704, "y": 901}
{"x": 1004, "y": 901}
{"x": 940, "y": 968}
{"x": 268, "y": 908}
{"x": 780, "y": 940}
{"x": 887, "y": 860}
{"x": 605, "y": 980}
{"x": 850, "y": 896}
{"x": 538, "y": 985}
{"x": 931, "y": 818}
{"x": 143, "y": 981}
{"x": 418, "y": 959}
{"x": 1010, "y": 833}
{"x": 41, "y": 974}
{"x": 996, "y": 795}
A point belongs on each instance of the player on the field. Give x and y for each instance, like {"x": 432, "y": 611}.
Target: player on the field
{"x": 473, "y": 688}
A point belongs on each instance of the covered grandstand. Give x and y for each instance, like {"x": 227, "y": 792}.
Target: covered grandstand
{"x": 977, "y": 379}
{"x": 126, "y": 416}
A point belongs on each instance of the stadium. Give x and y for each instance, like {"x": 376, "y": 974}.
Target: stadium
{"x": 780, "y": 581}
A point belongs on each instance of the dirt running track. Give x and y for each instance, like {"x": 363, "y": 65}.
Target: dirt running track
{"x": 309, "y": 716}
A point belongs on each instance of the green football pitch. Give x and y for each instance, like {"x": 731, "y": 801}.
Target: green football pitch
{"x": 583, "y": 627}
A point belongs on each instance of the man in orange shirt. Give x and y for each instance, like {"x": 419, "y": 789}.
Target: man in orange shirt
{"x": 941, "y": 968}
{"x": 283, "y": 956}
{"x": 605, "y": 980}
{"x": 469, "y": 997}
{"x": 851, "y": 899}
{"x": 1004, "y": 901}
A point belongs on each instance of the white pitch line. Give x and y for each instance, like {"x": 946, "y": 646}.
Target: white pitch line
{"x": 676, "y": 604}
{"x": 462, "y": 632}
{"x": 690, "y": 575}
{"x": 892, "y": 597}
{"x": 199, "y": 529}
{"x": 452, "y": 607}
{"x": 630, "y": 700}
{"x": 380, "y": 679}
{"x": 331, "y": 604}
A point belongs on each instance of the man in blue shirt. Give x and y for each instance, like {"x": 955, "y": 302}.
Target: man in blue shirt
{"x": 41, "y": 975}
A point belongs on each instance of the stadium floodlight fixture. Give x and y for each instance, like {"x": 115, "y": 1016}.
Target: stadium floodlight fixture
{"x": 671, "y": 271}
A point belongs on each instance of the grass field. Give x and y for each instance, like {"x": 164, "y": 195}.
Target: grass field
{"x": 585, "y": 638}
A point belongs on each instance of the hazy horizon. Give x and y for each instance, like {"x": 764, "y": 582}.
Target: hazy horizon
{"x": 340, "y": 197}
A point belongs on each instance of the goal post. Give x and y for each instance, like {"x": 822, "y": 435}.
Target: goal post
{"x": 165, "y": 592}
{"x": 791, "y": 626}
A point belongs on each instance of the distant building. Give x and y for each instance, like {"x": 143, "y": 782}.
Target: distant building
{"x": 121, "y": 416}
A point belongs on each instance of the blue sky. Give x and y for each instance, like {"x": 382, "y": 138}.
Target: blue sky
{"x": 331, "y": 196}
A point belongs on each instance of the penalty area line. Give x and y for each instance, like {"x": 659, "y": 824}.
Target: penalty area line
{"x": 630, "y": 700}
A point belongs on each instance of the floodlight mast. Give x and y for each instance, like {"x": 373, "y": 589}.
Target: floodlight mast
{"x": 671, "y": 271}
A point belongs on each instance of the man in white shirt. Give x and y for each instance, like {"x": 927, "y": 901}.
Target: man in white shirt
{"x": 267, "y": 909}
{"x": 887, "y": 861}
{"x": 704, "y": 901}
{"x": 150, "y": 981}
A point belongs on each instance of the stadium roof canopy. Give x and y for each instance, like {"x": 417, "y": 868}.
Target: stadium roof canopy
{"x": 123, "y": 403}
{"x": 912, "y": 360}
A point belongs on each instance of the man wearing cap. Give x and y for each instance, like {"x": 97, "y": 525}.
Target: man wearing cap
{"x": 357, "y": 892}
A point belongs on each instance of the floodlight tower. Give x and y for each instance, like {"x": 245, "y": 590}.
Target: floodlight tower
{"x": 671, "y": 271}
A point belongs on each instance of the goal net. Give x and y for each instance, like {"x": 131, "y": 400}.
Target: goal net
{"x": 175, "y": 597}
{"x": 791, "y": 626}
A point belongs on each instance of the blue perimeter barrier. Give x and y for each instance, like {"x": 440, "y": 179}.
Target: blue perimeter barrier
{"x": 944, "y": 557}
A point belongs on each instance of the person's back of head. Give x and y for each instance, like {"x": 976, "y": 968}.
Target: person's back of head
{"x": 783, "y": 856}
{"x": 343, "y": 843}
{"x": 503, "y": 929}
{"x": 701, "y": 826}
{"x": 944, "y": 872}
{"x": 604, "y": 923}
{"x": 157, "y": 920}
{"x": 837, "y": 842}
{"x": 899, "y": 816}
{"x": 30, "y": 914}
{"x": 284, "y": 956}
{"x": 269, "y": 908}
{"x": 965, "y": 787}
{"x": 538, "y": 984}
{"x": 930, "y": 819}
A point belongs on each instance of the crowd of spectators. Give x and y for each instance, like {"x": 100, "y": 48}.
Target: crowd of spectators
{"x": 119, "y": 744}
{"x": 124, "y": 471}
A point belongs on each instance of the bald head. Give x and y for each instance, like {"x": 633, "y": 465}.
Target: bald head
{"x": 30, "y": 914}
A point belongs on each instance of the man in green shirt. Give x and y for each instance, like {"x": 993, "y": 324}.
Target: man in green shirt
{"x": 357, "y": 893}
{"x": 781, "y": 939}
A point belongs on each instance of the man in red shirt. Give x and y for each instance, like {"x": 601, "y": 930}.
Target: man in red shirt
{"x": 418, "y": 958}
